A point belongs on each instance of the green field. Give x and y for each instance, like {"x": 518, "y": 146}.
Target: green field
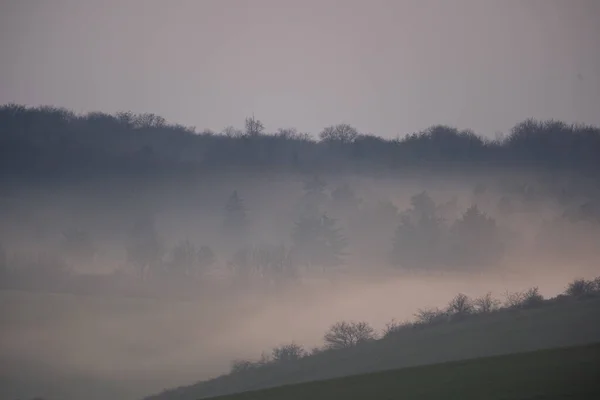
{"x": 566, "y": 373}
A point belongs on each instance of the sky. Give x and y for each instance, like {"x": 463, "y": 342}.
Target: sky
{"x": 387, "y": 67}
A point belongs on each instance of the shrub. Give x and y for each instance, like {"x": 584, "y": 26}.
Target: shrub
{"x": 532, "y": 297}
{"x": 394, "y": 327}
{"x": 513, "y": 299}
{"x": 580, "y": 287}
{"x": 529, "y": 298}
{"x": 429, "y": 316}
{"x": 596, "y": 284}
{"x": 348, "y": 334}
{"x": 238, "y": 366}
{"x": 287, "y": 353}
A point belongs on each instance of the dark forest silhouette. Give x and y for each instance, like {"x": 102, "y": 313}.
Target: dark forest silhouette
{"x": 53, "y": 143}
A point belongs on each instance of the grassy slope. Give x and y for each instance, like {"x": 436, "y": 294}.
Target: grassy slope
{"x": 546, "y": 374}
{"x": 552, "y": 325}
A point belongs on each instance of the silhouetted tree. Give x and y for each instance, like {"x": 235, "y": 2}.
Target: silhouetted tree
{"x": 254, "y": 127}
{"x": 288, "y": 353}
{"x": 339, "y": 134}
{"x": 580, "y": 287}
{"x": 460, "y": 306}
{"x": 528, "y": 298}
{"x": 486, "y": 303}
{"x": 348, "y": 334}
{"x": 427, "y": 316}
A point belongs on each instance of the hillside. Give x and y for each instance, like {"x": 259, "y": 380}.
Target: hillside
{"x": 548, "y": 374}
{"x": 557, "y": 323}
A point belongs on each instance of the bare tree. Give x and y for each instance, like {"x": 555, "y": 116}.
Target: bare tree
{"x": 529, "y": 298}
{"x": 486, "y": 303}
{"x": 232, "y": 132}
{"x": 341, "y": 133}
{"x": 428, "y": 316}
{"x": 254, "y": 127}
{"x": 287, "y": 353}
{"x": 394, "y": 327}
{"x": 292, "y": 134}
{"x": 460, "y": 306}
{"x": 348, "y": 334}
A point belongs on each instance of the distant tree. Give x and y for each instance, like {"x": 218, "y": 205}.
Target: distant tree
{"x": 318, "y": 242}
{"x": 460, "y": 306}
{"x": 476, "y": 239}
{"x": 148, "y": 120}
{"x": 314, "y": 197}
{"x": 145, "y": 248}
{"x": 254, "y": 127}
{"x": 427, "y": 316}
{"x": 532, "y": 297}
{"x": 344, "y": 198}
{"x": 292, "y": 134}
{"x": 419, "y": 240}
{"x": 183, "y": 259}
{"x": 341, "y": 133}
{"x": 235, "y": 221}
{"x": 288, "y": 353}
{"x": 231, "y": 132}
{"x": 422, "y": 206}
{"x": 580, "y": 287}
{"x": 486, "y": 303}
{"x": 348, "y": 334}
{"x": 274, "y": 263}
{"x": 596, "y": 283}
{"x": 271, "y": 263}
{"x": 393, "y": 327}
{"x": 528, "y": 298}
{"x": 238, "y": 366}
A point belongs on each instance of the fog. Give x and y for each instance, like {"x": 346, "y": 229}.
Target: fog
{"x": 80, "y": 309}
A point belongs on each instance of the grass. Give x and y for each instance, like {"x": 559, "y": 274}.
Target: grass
{"x": 565, "y": 373}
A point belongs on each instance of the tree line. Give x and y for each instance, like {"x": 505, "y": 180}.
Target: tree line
{"x": 348, "y": 334}
{"x": 328, "y": 231}
{"x": 47, "y": 142}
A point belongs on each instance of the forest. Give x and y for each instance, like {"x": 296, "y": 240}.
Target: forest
{"x": 106, "y": 162}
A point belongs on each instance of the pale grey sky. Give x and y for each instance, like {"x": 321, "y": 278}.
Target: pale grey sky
{"x": 385, "y": 66}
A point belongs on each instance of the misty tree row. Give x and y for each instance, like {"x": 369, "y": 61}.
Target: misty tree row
{"x": 331, "y": 229}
